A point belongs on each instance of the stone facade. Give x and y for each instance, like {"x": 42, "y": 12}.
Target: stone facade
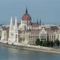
{"x": 27, "y": 33}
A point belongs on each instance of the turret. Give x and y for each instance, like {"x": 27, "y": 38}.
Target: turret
{"x": 16, "y": 31}
{"x": 11, "y": 23}
{"x": 11, "y": 32}
{"x": 15, "y": 23}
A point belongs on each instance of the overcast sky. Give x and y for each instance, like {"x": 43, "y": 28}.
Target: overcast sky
{"x": 46, "y": 10}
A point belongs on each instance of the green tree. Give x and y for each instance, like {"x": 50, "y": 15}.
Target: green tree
{"x": 41, "y": 43}
{"x": 51, "y": 44}
{"x": 44, "y": 43}
{"x": 57, "y": 42}
{"x": 38, "y": 41}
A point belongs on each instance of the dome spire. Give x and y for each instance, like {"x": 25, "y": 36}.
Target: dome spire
{"x": 26, "y": 11}
{"x": 26, "y": 17}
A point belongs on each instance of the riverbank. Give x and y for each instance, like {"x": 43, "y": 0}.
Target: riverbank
{"x": 31, "y": 48}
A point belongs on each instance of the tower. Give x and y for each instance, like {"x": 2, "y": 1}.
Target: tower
{"x": 10, "y": 39}
{"x": 37, "y": 21}
{"x": 26, "y": 17}
{"x": 40, "y": 21}
{"x": 16, "y": 31}
{"x": 11, "y": 23}
{"x": 13, "y": 32}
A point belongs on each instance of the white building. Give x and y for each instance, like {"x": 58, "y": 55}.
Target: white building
{"x": 27, "y": 32}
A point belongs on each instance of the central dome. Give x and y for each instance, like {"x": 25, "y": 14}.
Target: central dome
{"x": 26, "y": 16}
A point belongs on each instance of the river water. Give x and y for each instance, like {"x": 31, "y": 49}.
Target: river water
{"x": 16, "y": 54}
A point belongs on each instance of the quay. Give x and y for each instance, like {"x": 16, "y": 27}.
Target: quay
{"x": 31, "y": 48}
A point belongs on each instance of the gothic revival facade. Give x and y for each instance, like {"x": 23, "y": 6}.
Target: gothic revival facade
{"x": 26, "y": 32}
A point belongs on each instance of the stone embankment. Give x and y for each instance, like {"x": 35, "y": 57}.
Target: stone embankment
{"x": 31, "y": 48}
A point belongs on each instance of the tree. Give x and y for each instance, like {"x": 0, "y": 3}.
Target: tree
{"x": 47, "y": 43}
{"x": 38, "y": 41}
{"x": 44, "y": 43}
{"x": 51, "y": 43}
{"x": 57, "y": 42}
{"x": 41, "y": 43}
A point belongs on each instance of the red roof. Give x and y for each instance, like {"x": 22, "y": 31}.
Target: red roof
{"x": 26, "y": 16}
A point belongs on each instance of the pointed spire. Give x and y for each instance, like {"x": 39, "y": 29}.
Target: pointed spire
{"x": 26, "y": 11}
{"x": 40, "y": 21}
{"x": 11, "y": 23}
{"x": 16, "y": 31}
{"x": 15, "y": 22}
{"x": 37, "y": 21}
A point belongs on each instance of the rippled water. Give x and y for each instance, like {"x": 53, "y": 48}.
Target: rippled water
{"x": 16, "y": 54}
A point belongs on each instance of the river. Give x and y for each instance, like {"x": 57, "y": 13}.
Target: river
{"x": 16, "y": 54}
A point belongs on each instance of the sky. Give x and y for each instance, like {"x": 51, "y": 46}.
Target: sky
{"x": 46, "y": 10}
